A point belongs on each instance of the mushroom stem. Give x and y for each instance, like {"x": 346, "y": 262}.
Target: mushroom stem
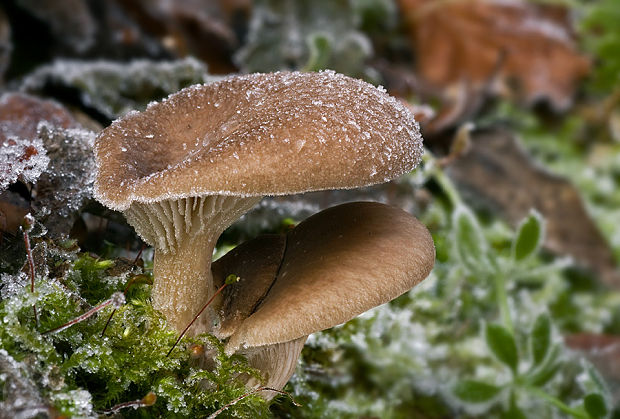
{"x": 184, "y": 232}
{"x": 183, "y": 282}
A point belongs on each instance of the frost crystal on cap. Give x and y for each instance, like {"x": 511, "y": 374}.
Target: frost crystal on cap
{"x": 260, "y": 134}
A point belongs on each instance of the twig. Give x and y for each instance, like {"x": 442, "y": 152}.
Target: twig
{"x": 135, "y": 261}
{"x": 26, "y": 228}
{"x": 148, "y": 400}
{"x": 230, "y": 279}
{"x": 117, "y": 300}
{"x": 238, "y": 399}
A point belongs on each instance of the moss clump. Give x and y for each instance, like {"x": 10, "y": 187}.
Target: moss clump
{"x": 78, "y": 372}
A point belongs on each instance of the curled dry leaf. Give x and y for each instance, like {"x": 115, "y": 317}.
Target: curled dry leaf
{"x": 20, "y": 115}
{"x": 511, "y": 43}
{"x": 41, "y": 143}
{"x": 22, "y": 154}
{"x": 519, "y": 185}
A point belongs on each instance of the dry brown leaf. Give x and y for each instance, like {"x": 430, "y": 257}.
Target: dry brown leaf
{"x": 507, "y": 42}
{"x": 61, "y": 184}
{"x": 20, "y": 115}
{"x": 498, "y": 172}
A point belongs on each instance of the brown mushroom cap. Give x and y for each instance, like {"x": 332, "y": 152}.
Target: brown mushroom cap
{"x": 256, "y": 263}
{"x": 338, "y": 264}
{"x": 255, "y": 135}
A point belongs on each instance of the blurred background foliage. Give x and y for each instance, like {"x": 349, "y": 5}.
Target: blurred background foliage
{"x": 519, "y": 103}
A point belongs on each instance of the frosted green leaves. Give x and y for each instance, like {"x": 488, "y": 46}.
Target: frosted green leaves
{"x": 472, "y": 247}
{"x": 529, "y": 236}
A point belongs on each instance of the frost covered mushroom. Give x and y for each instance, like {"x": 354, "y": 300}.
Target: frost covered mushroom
{"x": 332, "y": 267}
{"x": 187, "y": 167}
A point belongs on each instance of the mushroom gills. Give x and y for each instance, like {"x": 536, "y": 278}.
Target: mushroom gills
{"x": 184, "y": 233}
{"x": 166, "y": 224}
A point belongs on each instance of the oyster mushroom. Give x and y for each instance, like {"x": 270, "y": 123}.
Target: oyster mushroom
{"x": 332, "y": 267}
{"x": 185, "y": 168}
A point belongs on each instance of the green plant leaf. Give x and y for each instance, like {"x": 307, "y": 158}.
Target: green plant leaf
{"x": 502, "y": 344}
{"x": 529, "y": 236}
{"x": 595, "y": 378}
{"x": 513, "y": 411}
{"x": 595, "y": 405}
{"x": 547, "y": 370}
{"x": 540, "y": 339}
{"x": 320, "y": 49}
{"x": 471, "y": 245}
{"x": 473, "y": 391}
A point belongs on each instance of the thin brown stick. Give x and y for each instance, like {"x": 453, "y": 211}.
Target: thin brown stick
{"x": 257, "y": 390}
{"x": 107, "y": 323}
{"x": 135, "y": 261}
{"x": 117, "y": 300}
{"x": 26, "y": 228}
{"x": 220, "y": 289}
{"x": 148, "y": 400}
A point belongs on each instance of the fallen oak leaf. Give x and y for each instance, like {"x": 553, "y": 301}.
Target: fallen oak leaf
{"x": 479, "y": 40}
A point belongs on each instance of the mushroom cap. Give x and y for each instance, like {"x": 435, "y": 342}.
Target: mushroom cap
{"x": 256, "y": 263}
{"x": 254, "y": 135}
{"x": 337, "y": 264}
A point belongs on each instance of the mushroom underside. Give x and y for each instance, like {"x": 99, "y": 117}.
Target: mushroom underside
{"x": 183, "y": 233}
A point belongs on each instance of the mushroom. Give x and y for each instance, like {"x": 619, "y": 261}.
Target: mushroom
{"x": 185, "y": 168}
{"x": 332, "y": 267}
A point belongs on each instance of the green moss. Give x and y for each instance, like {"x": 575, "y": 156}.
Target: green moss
{"x": 95, "y": 372}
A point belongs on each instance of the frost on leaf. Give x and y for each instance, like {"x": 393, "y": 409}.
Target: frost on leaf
{"x": 113, "y": 89}
{"x": 21, "y": 160}
{"x": 41, "y": 144}
{"x": 23, "y": 155}
{"x": 11, "y": 285}
{"x": 67, "y": 183}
